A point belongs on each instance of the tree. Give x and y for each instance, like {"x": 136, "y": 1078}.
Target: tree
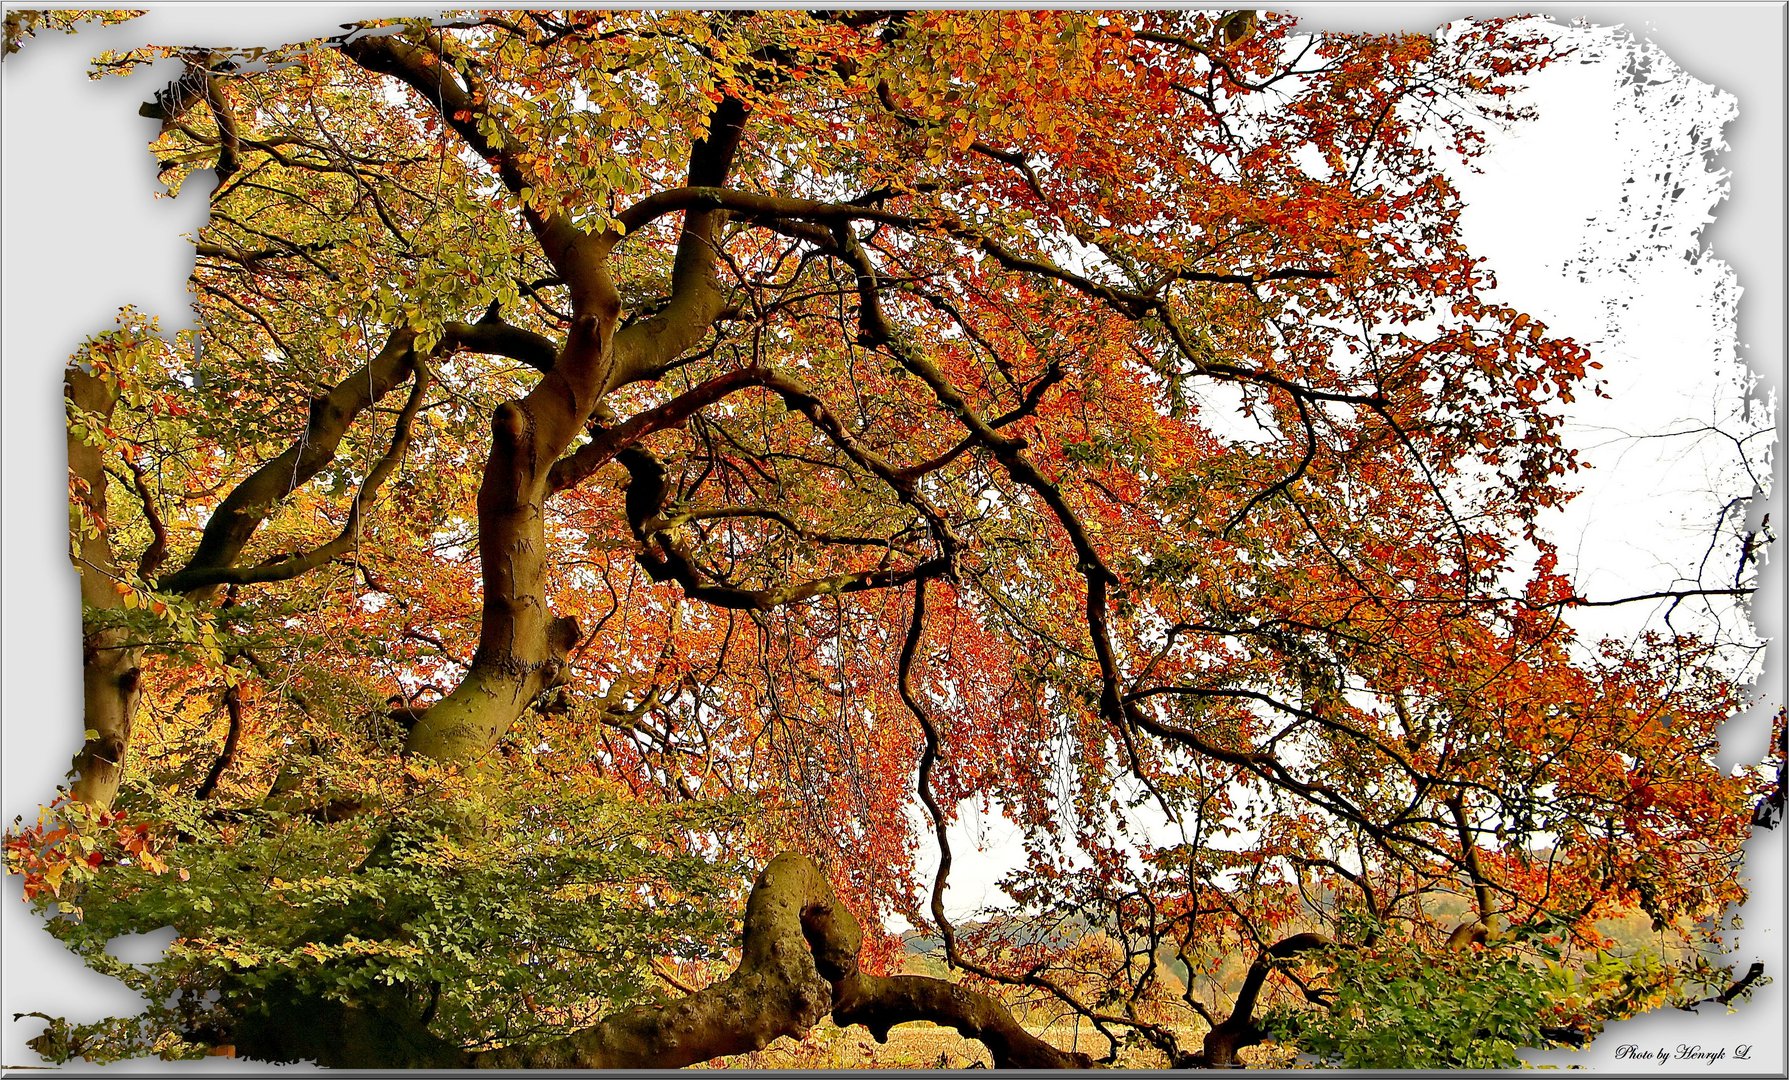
{"x": 623, "y": 447}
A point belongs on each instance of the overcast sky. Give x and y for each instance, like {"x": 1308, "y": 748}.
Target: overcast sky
{"x": 82, "y": 236}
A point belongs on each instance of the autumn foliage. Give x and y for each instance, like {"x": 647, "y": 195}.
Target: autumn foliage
{"x": 622, "y": 447}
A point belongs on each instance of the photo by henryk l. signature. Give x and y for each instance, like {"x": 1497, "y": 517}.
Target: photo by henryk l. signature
{"x": 1684, "y": 1053}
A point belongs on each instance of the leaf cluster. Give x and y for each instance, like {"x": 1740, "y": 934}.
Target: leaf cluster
{"x": 490, "y": 915}
{"x": 1400, "y": 1006}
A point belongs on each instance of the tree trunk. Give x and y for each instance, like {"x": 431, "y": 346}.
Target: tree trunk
{"x": 521, "y": 647}
{"x": 110, "y": 673}
{"x": 110, "y": 665}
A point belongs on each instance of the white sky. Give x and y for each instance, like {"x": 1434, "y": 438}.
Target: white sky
{"x": 82, "y": 237}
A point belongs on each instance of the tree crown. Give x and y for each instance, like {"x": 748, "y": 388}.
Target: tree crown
{"x": 854, "y": 415}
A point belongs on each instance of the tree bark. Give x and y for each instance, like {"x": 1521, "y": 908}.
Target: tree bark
{"x": 110, "y": 665}
{"x": 799, "y": 963}
{"x": 522, "y": 648}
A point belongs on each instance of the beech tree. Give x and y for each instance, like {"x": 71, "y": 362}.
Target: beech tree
{"x": 638, "y": 466}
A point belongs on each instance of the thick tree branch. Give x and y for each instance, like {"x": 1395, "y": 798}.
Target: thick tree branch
{"x": 699, "y": 198}
{"x": 582, "y": 463}
{"x": 250, "y": 503}
{"x": 287, "y": 567}
{"x": 242, "y": 512}
{"x": 648, "y": 347}
{"x": 1239, "y": 1028}
{"x": 497, "y": 338}
{"x": 799, "y": 962}
{"x": 229, "y": 153}
{"x": 1740, "y": 986}
{"x": 1667, "y": 594}
{"x": 664, "y": 558}
{"x": 1481, "y": 885}
{"x": 771, "y": 513}
{"x": 928, "y": 760}
{"x": 608, "y": 443}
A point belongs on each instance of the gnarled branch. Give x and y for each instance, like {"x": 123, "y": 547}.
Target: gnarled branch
{"x": 799, "y": 963}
